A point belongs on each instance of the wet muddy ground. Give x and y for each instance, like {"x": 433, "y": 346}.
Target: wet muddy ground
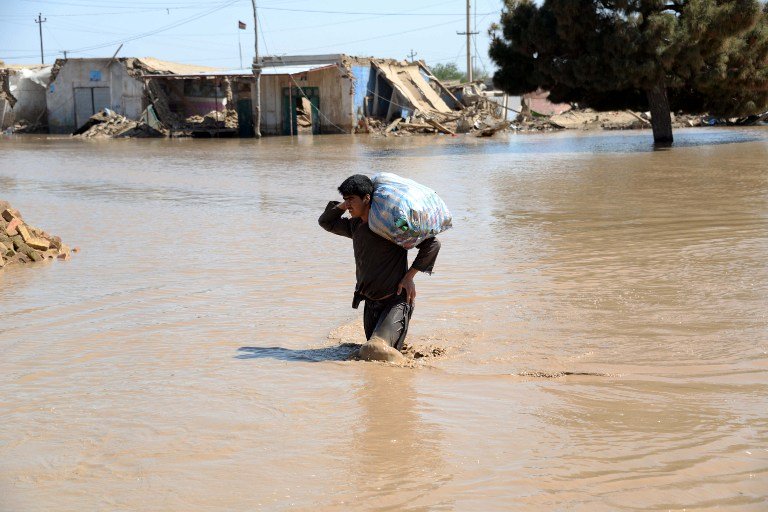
{"x": 601, "y": 305}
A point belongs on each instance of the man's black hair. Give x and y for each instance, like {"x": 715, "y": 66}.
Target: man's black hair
{"x": 357, "y": 185}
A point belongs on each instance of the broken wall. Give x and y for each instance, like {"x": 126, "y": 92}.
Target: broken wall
{"x": 7, "y": 100}
{"x": 336, "y": 99}
{"x": 109, "y": 83}
{"x": 202, "y": 96}
{"x": 29, "y": 87}
{"x": 412, "y": 88}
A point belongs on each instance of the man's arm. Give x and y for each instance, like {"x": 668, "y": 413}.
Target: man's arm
{"x": 424, "y": 262}
{"x": 331, "y": 220}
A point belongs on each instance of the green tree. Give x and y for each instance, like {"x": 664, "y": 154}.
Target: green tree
{"x": 691, "y": 55}
{"x": 447, "y": 72}
{"x": 450, "y": 73}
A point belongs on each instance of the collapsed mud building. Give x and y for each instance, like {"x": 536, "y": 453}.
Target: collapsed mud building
{"x": 22, "y": 97}
{"x": 338, "y": 93}
{"x": 80, "y": 88}
{"x": 311, "y": 94}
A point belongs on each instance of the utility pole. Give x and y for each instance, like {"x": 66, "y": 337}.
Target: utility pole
{"x": 257, "y": 75}
{"x": 412, "y": 55}
{"x": 469, "y": 35}
{"x": 40, "y": 22}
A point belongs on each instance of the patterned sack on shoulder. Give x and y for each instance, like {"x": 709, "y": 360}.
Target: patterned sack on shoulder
{"x": 406, "y": 212}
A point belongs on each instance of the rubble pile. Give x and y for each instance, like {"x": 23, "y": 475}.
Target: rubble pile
{"x": 478, "y": 121}
{"x": 22, "y": 243}
{"x": 25, "y": 126}
{"x": 212, "y": 120}
{"x": 109, "y": 124}
{"x": 588, "y": 119}
{"x": 483, "y": 119}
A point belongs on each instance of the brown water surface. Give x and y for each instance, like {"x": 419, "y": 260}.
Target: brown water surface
{"x": 604, "y": 307}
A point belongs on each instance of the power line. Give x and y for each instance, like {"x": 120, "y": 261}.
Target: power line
{"x": 137, "y": 9}
{"x": 365, "y": 12}
{"x": 290, "y": 121}
{"x": 146, "y": 34}
{"x": 419, "y": 29}
{"x": 158, "y": 30}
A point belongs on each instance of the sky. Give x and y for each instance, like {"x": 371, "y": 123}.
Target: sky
{"x": 206, "y": 32}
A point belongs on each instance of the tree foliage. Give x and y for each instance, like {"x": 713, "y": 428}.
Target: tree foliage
{"x": 450, "y": 73}
{"x": 447, "y": 72}
{"x": 690, "y": 55}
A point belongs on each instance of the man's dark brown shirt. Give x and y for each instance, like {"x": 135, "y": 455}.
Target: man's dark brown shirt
{"x": 380, "y": 264}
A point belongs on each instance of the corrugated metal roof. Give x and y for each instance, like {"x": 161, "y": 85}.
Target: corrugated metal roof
{"x": 294, "y": 70}
{"x": 267, "y": 70}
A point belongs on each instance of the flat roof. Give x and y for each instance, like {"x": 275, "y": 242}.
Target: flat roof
{"x": 269, "y": 69}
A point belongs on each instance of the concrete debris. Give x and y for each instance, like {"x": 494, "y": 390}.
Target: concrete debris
{"x": 5, "y": 88}
{"x": 304, "y": 114}
{"x": 161, "y": 104}
{"x": 22, "y": 243}
{"x": 212, "y": 120}
{"x": 481, "y": 119}
{"x": 109, "y": 124}
{"x": 588, "y": 119}
{"x": 24, "y": 126}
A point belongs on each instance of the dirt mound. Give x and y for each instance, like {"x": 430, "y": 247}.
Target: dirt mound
{"x": 22, "y": 243}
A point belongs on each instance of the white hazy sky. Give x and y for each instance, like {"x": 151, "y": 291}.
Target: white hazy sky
{"x": 205, "y": 32}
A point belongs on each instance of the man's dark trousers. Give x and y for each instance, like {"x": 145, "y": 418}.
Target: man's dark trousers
{"x": 387, "y": 319}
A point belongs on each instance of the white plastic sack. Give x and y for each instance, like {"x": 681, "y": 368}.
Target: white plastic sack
{"x": 406, "y": 212}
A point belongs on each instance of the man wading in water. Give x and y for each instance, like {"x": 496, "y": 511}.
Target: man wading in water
{"x": 384, "y": 280}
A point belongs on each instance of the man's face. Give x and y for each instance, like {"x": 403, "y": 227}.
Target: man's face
{"x": 356, "y": 206}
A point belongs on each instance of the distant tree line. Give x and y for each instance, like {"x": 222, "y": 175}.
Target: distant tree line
{"x": 450, "y": 73}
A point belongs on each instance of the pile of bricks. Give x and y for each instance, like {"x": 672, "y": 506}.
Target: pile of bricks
{"x": 22, "y": 243}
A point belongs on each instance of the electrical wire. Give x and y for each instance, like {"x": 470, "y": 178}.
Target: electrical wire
{"x": 298, "y": 86}
{"x": 419, "y": 29}
{"x": 158, "y": 30}
{"x": 365, "y": 12}
{"x": 146, "y": 34}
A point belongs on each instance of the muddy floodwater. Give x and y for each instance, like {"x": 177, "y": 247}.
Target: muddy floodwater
{"x": 603, "y": 308}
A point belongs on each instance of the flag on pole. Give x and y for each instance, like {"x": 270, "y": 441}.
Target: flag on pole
{"x": 240, "y": 25}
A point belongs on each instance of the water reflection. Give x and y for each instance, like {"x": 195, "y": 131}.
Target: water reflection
{"x": 568, "y": 142}
{"x": 632, "y": 435}
{"x": 397, "y": 454}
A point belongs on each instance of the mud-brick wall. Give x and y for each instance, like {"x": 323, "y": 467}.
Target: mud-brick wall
{"x": 126, "y": 94}
{"x": 30, "y": 100}
{"x": 336, "y": 100}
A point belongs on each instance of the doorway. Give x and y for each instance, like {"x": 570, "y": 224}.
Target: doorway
{"x": 301, "y": 108}
{"x": 88, "y": 101}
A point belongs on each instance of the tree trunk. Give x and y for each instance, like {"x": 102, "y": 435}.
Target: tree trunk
{"x": 661, "y": 120}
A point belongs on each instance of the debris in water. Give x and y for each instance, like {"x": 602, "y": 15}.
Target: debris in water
{"x": 22, "y": 243}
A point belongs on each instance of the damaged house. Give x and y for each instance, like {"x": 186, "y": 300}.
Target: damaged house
{"x": 22, "y": 97}
{"x": 315, "y": 94}
{"x": 209, "y": 104}
{"x": 80, "y": 88}
{"x": 338, "y": 93}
